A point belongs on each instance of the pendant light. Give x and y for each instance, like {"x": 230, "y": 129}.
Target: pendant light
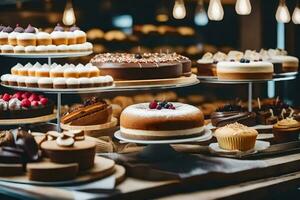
{"x": 179, "y": 11}
{"x": 215, "y": 10}
{"x": 282, "y": 13}
{"x": 69, "y": 15}
{"x": 243, "y": 7}
{"x": 200, "y": 18}
{"x": 296, "y": 14}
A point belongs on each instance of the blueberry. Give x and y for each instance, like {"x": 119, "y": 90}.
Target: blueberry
{"x": 260, "y": 59}
{"x": 158, "y": 107}
{"x": 231, "y": 60}
{"x": 138, "y": 56}
{"x": 247, "y": 61}
{"x": 162, "y": 104}
{"x": 215, "y": 62}
{"x": 242, "y": 60}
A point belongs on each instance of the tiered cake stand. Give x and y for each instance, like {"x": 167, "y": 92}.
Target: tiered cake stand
{"x": 276, "y": 78}
{"x": 136, "y": 85}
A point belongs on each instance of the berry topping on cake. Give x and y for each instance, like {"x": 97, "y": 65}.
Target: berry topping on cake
{"x": 19, "y": 29}
{"x": 25, "y": 103}
{"x": 58, "y": 27}
{"x": 74, "y": 28}
{"x": 161, "y": 105}
{"x": 138, "y": 56}
{"x": 8, "y": 29}
{"x": 30, "y": 29}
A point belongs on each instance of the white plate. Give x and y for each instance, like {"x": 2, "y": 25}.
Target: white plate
{"x": 257, "y": 127}
{"x": 259, "y": 146}
{"x": 207, "y": 135}
{"x": 47, "y": 55}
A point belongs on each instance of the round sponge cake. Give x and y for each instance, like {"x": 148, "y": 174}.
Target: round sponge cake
{"x": 139, "y": 121}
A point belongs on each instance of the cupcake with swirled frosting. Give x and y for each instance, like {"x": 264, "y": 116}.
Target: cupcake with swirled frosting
{"x": 12, "y": 37}
{"x": 286, "y": 130}
{"x": 59, "y": 36}
{"x": 28, "y": 38}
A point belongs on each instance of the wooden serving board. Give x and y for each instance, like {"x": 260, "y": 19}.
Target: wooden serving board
{"x": 103, "y": 167}
{"x": 110, "y": 124}
{"x": 33, "y": 120}
{"x": 154, "y": 82}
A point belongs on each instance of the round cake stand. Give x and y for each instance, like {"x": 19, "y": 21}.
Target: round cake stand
{"x": 161, "y": 149}
{"x": 276, "y": 78}
{"x": 182, "y": 82}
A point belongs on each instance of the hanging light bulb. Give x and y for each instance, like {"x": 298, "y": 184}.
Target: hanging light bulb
{"x": 69, "y": 15}
{"x": 179, "y": 11}
{"x": 243, "y": 7}
{"x": 282, "y": 13}
{"x": 296, "y": 14}
{"x": 200, "y": 14}
{"x": 215, "y": 10}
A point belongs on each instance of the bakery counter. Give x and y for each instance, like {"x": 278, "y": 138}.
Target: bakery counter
{"x": 276, "y": 173}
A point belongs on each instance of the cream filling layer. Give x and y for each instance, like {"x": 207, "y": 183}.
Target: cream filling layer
{"x": 162, "y": 133}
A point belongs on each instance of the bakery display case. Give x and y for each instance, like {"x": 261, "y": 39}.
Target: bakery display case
{"x": 184, "y": 99}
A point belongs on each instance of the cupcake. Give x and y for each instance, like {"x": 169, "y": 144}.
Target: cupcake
{"x": 82, "y": 70}
{"x": 30, "y": 49}
{"x": 4, "y": 35}
{"x": 85, "y": 82}
{"x": 21, "y": 81}
{"x": 33, "y": 69}
{"x": 5, "y": 78}
{"x": 89, "y": 46}
{"x": 59, "y": 36}
{"x": 71, "y": 73}
{"x": 52, "y": 48}
{"x": 12, "y": 37}
{"x": 15, "y": 69}
{"x": 43, "y": 71}
{"x": 98, "y": 81}
{"x": 79, "y": 35}
{"x": 108, "y": 80}
{"x": 23, "y": 71}
{"x": 7, "y": 48}
{"x": 93, "y": 71}
{"x": 41, "y": 49}
{"x": 28, "y": 38}
{"x": 43, "y": 38}
{"x": 45, "y": 82}
{"x": 71, "y": 38}
{"x": 59, "y": 83}
{"x": 12, "y": 80}
{"x": 236, "y": 137}
{"x": 72, "y": 83}
{"x": 286, "y": 130}
{"x": 19, "y": 49}
{"x": 62, "y": 48}
{"x": 57, "y": 71}
{"x": 31, "y": 82}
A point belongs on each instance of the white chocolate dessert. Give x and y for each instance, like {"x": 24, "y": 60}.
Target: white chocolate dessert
{"x": 161, "y": 120}
{"x": 248, "y": 70}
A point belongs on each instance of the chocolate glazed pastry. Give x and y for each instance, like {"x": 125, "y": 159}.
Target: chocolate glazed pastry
{"x": 231, "y": 114}
{"x": 219, "y": 119}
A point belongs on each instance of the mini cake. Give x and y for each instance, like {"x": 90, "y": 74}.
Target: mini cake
{"x": 4, "y": 35}
{"x": 63, "y": 48}
{"x": 232, "y": 113}
{"x": 284, "y": 63}
{"x": 15, "y": 69}
{"x": 108, "y": 80}
{"x": 286, "y": 130}
{"x": 72, "y": 83}
{"x": 236, "y": 137}
{"x": 98, "y": 81}
{"x": 161, "y": 120}
{"x": 28, "y": 38}
{"x": 124, "y": 66}
{"x": 207, "y": 65}
{"x": 59, "y": 36}
{"x": 245, "y": 69}
{"x": 21, "y": 81}
{"x": 52, "y": 48}
{"x": 12, "y": 37}
{"x": 5, "y": 78}
{"x": 66, "y": 150}
{"x": 7, "y": 48}
{"x": 32, "y": 70}
{"x": 85, "y": 82}
{"x": 32, "y": 82}
{"x": 83, "y": 70}
{"x": 71, "y": 38}
{"x": 45, "y": 83}
{"x": 93, "y": 71}
{"x": 43, "y": 38}
{"x": 41, "y": 49}
{"x": 43, "y": 71}
{"x": 30, "y": 49}
{"x": 71, "y": 73}
{"x": 59, "y": 83}
{"x": 93, "y": 112}
{"x": 80, "y": 36}
{"x": 57, "y": 71}
{"x": 12, "y": 80}
{"x": 19, "y": 49}
{"x": 23, "y": 71}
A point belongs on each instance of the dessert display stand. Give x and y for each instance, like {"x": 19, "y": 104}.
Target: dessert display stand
{"x": 276, "y": 78}
{"x": 160, "y": 149}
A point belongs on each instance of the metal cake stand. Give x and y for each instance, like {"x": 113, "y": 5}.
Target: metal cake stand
{"x": 161, "y": 149}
